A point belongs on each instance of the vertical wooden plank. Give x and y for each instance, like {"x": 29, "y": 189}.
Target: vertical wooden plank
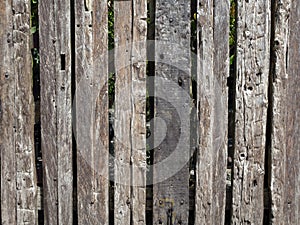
{"x": 83, "y": 124}
{"x": 172, "y": 105}
{"x": 278, "y": 81}
{"x": 64, "y": 114}
{"x": 292, "y": 173}
{"x": 7, "y": 120}
{"x": 91, "y": 49}
{"x": 24, "y": 115}
{"x": 18, "y": 178}
{"x": 56, "y": 128}
{"x": 252, "y": 70}
{"x": 123, "y": 111}
{"x": 220, "y": 120}
{"x": 49, "y": 72}
{"x": 213, "y": 70}
{"x": 138, "y": 107}
{"x": 101, "y": 126}
{"x": 205, "y": 107}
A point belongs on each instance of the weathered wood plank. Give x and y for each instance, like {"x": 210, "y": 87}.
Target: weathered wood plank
{"x": 64, "y": 114}
{"x": 292, "y": 174}
{"x": 205, "y": 107}
{"x": 49, "y": 73}
{"x": 252, "y": 71}
{"x": 172, "y": 105}
{"x": 220, "y": 120}
{"x": 18, "y": 178}
{"x": 92, "y": 110}
{"x": 101, "y": 126}
{"x": 213, "y": 51}
{"x": 278, "y": 81}
{"x": 7, "y": 122}
{"x": 138, "y": 108}
{"x": 123, "y": 111}
{"x": 24, "y": 115}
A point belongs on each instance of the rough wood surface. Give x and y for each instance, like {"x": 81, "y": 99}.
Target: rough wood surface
{"x": 292, "y": 104}
{"x": 213, "y": 70}
{"x": 279, "y": 80}
{"x": 91, "y": 110}
{"x": 56, "y": 115}
{"x": 172, "y": 111}
{"x": 252, "y": 71}
{"x": 123, "y": 112}
{"x": 18, "y": 177}
{"x": 64, "y": 114}
{"x": 138, "y": 110}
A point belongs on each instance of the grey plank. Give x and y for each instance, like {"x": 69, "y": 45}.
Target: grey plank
{"x": 123, "y": 112}
{"x": 172, "y": 113}
{"x": 64, "y": 114}
{"x": 252, "y": 70}
{"x": 7, "y": 118}
{"x": 138, "y": 107}
{"x": 292, "y": 174}
{"x": 91, "y": 61}
{"x": 279, "y": 81}
{"x": 49, "y": 75}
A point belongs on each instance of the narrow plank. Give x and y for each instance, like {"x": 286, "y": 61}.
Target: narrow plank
{"x": 91, "y": 110}
{"x": 213, "y": 70}
{"x": 24, "y": 115}
{"x": 138, "y": 107}
{"x": 101, "y": 125}
{"x": 123, "y": 112}
{"x": 172, "y": 113}
{"x": 219, "y": 116}
{"x": 64, "y": 114}
{"x": 292, "y": 173}
{"x": 205, "y": 107}
{"x": 49, "y": 75}
{"x": 252, "y": 70}
{"x": 279, "y": 81}
{"x": 7, "y": 120}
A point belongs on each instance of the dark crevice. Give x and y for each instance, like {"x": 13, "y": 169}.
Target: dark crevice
{"x": 193, "y": 114}
{"x": 36, "y": 90}
{"x": 267, "y": 176}
{"x": 111, "y": 100}
{"x": 73, "y": 88}
{"x": 150, "y": 70}
{"x": 231, "y": 83}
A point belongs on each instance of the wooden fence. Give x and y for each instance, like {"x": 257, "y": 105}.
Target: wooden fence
{"x": 201, "y": 133}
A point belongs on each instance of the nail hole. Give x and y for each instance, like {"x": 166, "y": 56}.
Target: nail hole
{"x": 180, "y": 82}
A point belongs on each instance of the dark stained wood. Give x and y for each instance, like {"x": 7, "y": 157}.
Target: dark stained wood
{"x": 91, "y": 49}
{"x": 18, "y": 177}
{"x": 212, "y": 29}
{"x": 252, "y": 72}
{"x": 172, "y": 105}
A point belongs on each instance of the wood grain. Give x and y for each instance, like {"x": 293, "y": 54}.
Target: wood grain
{"x": 91, "y": 74}
{"x": 172, "y": 105}
{"x": 56, "y": 115}
{"x": 18, "y": 176}
{"x": 252, "y": 72}
{"x": 213, "y": 70}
